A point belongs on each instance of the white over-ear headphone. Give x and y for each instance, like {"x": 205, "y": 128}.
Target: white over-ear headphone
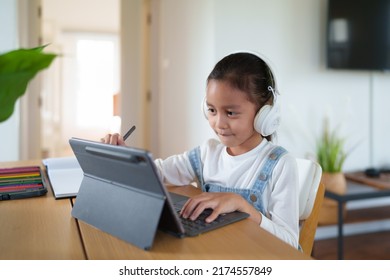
{"x": 266, "y": 121}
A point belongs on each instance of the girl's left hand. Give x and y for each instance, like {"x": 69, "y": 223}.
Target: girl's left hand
{"x": 220, "y": 202}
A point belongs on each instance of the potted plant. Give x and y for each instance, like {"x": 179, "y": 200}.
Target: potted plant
{"x": 17, "y": 69}
{"x": 331, "y": 156}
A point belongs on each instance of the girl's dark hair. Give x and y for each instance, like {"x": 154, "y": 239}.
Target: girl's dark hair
{"x": 248, "y": 73}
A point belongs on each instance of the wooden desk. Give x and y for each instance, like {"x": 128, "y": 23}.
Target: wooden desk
{"x": 39, "y": 227}
{"x": 42, "y": 228}
{"x": 241, "y": 240}
{"x": 382, "y": 182}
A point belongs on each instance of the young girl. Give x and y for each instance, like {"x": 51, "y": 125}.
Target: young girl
{"x": 243, "y": 171}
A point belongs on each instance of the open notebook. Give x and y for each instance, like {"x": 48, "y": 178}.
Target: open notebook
{"x": 122, "y": 194}
{"x": 65, "y": 176}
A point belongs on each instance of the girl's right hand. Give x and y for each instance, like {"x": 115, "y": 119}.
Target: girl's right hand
{"x": 113, "y": 139}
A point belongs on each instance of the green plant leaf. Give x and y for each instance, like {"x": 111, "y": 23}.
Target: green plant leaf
{"x": 330, "y": 150}
{"x": 17, "y": 69}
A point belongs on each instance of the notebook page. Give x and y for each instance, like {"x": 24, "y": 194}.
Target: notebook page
{"x": 65, "y": 176}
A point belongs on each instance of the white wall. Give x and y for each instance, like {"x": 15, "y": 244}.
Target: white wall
{"x": 291, "y": 35}
{"x": 131, "y": 67}
{"x": 72, "y": 15}
{"x": 381, "y": 119}
{"x": 186, "y": 57}
{"x": 9, "y": 130}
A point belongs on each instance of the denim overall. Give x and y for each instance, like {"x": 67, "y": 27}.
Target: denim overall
{"x": 254, "y": 195}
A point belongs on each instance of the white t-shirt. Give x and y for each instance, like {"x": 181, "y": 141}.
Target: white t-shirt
{"x": 280, "y": 196}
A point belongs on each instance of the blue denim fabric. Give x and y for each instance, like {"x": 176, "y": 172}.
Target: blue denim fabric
{"x": 254, "y": 195}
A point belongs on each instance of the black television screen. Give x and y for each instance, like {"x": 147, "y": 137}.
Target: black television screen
{"x": 358, "y": 34}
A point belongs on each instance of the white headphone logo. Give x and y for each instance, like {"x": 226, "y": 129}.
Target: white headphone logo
{"x": 266, "y": 121}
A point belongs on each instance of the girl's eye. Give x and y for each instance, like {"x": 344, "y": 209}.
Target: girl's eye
{"x": 230, "y": 113}
{"x": 211, "y": 110}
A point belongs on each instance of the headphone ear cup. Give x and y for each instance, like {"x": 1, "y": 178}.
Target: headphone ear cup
{"x": 267, "y": 120}
{"x": 204, "y": 108}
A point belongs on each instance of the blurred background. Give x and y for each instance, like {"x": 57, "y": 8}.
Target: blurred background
{"x": 145, "y": 63}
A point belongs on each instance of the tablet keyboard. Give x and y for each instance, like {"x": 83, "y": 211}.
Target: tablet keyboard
{"x": 193, "y": 228}
{"x": 200, "y": 224}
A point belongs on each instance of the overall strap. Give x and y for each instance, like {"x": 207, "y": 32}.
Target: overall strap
{"x": 268, "y": 166}
{"x": 196, "y": 163}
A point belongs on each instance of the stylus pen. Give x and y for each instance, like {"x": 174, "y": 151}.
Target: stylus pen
{"x": 128, "y": 133}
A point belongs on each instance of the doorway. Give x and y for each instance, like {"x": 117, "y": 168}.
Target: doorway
{"x": 80, "y": 89}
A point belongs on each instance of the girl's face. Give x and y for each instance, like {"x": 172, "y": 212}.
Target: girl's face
{"x": 231, "y": 115}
